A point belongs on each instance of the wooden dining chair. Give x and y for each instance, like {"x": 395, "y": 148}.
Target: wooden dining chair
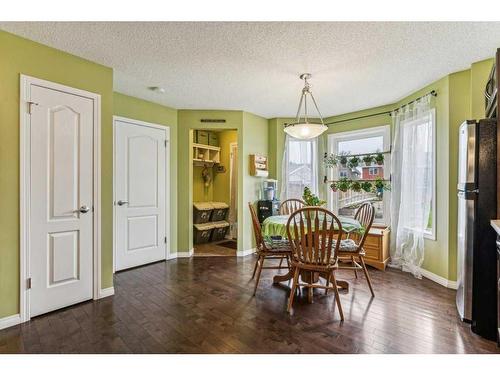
{"x": 267, "y": 250}
{"x": 314, "y": 235}
{"x": 289, "y": 206}
{"x": 351, "y": 249}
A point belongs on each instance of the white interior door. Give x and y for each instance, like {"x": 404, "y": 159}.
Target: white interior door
{"x": 140, "y": 191}
{"x": 61, "y": 203}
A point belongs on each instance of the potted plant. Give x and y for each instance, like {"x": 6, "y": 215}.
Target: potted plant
{"x": 310, "y": 199}
{"x": 379, "y": 187}
{"x": 342, "y": 158}
{"x": 333, "y": 186}
{"x": 354, "y": 162}
{"x": 366, "y": 186}
{"x": 356, "y": 186}
{"x": 379, "y": 158}
{"x": 343, "y": 184}
{"x": 368, "y": 159}
{"x": 330, "y": 160}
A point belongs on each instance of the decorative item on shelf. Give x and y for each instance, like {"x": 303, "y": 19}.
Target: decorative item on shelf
{"x": 353, "y": 162}
{"x": 258, "y": 166}
{"x": 379, "y": 158}
{"x": 368, "y": 160}
{"x": 303, "y": 128}
{"x": 311, "y": 199}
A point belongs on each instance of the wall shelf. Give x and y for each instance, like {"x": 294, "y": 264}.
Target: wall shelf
{"x": 205, "y": 155}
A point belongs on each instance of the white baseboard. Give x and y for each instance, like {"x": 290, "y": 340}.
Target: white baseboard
{"x": 244, "y": 253}
{"x": 106, "y": 292}
{"x": 10, "y": 321}
{"x": 185, "y": 254}
{"x": 438, "y": 279}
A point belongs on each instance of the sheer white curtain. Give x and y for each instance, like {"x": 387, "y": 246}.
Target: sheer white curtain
{"x": 411, "y": 183}
{"x": 299, "y": 167}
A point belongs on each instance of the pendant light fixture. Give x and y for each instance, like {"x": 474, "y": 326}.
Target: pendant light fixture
{"x": 303, "y": 128}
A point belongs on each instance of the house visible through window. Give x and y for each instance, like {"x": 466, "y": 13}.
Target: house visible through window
{"x": 301, "y": 167}
{"x": 367, "y": 141}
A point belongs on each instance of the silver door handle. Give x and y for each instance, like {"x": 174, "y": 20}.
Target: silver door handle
{"x": 121, "y": 203}
{"x": 84, "y": 209}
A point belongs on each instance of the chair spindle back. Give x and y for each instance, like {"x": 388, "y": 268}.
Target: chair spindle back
{"x": 314, "y": 234}
{"x": 365, "y": 215}
{"x": 257, "y": 229}
{"x": 289, "y": 206}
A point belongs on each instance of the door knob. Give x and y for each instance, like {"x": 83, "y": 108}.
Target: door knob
{"x": 121, "y": 203}
{"x": 84, "y": 209}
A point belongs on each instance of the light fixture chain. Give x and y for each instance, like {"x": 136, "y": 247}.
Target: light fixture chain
{"x": 317, "y": 109}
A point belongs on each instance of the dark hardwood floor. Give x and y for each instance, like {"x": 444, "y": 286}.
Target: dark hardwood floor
{"x": 205, "y": 305}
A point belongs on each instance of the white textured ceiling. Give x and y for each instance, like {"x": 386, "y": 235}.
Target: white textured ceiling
{"x": 254, "y": 66}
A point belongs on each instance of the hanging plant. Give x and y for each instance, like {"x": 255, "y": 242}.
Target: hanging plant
{"x": 368, "y": 159}
{"x": 333, "y": 186}
{"x": 354, "y": 162}
{"x": 379, "y": 158}
{"x": 343, "y": 184}
{"x": 356, "y": 186}
{"x": 342, "y": 158}
{"x": 330, "y": 160}
{"x": 379, "y": 187}
{"x": 367, "y": 186}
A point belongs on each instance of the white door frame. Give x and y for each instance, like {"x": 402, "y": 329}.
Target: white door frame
{"x": 25, "y": 187}
{"x": 168, "y": 217}
{"x": 232, "y": 146}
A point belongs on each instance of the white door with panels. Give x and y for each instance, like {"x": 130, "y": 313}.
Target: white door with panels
{"x": 140, "y": 193}
{"x": 60, "y": 199}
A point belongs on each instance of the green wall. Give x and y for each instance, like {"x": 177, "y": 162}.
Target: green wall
{"x": 21, "y": 56}
{"x": 138, "y": 109}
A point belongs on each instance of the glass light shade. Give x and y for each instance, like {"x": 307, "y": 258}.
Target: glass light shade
{"x": 305, "y": 130}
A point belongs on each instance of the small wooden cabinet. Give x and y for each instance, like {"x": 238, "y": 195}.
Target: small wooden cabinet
{"x": 377, "y": 248}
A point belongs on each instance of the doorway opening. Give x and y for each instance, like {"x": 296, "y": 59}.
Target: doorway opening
{"x": 215, "y": 192}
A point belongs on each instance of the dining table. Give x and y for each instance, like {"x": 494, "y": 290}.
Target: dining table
{"x": 274, "y": 227}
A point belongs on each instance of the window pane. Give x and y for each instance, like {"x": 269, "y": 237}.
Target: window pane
{"x": 349, "y": 201}
{"x": 301, "y": 167}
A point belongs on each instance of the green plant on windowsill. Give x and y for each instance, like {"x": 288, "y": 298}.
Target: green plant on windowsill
{"x": 311, "y": 199}
{"x": 342, "y": 158}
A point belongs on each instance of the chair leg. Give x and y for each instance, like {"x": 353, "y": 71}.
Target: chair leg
{"x": 366, "y": 275}
{"x": 354, "y": 265}
{"x": 261, "y": 263}
{"x": 328, "y": 280}
{"x": 287, "y": 261}
{"x": 337, "y": 296}
{"x": 255, "y": 267}
{"x": 294, "y": 288}
{"x": 281, "y": 261}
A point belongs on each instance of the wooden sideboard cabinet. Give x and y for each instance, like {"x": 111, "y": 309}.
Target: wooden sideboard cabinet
{"x": 377, "y": 247}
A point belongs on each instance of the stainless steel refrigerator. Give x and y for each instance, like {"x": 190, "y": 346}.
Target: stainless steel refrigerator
{"x": 476, "y": 207}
